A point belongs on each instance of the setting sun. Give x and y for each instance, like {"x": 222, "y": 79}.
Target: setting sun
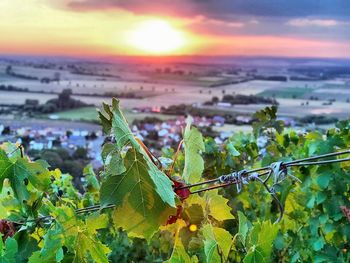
{"x": 156, "y": 37}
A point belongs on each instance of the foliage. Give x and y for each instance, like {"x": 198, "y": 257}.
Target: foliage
{"x": 43, "y": 216}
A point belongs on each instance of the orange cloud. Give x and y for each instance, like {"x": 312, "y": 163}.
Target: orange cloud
{"x": 275, "y": 46}
{"x": 38, "y": 28}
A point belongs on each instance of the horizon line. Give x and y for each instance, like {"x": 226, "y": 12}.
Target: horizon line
{"x": 175, "y": 56}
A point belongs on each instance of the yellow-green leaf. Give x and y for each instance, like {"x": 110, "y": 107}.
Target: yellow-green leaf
{"x": 194, "y": 145}
{"x": 217, "y": 243}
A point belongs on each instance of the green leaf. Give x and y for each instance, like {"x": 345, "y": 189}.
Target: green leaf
{"x": 311, "y": 202}
{"x": 81, "y": 238}
{"x": 179, "y": 254}
{"x": 20, "y": 170}
{"x": 217, "y": 243}
{"x": 97, "y": 221}
{"x": 261, "y": 239}
{"x": 323, "y": 179}
{"x": 232, "y": 150}
{"x": 318, "y": 244}
{"x": 320, "y": 197}
{"x": 9, "y": 252}
{"x": 147, "y": 215}
{"x": 254, "y": 256}
{"x": 194, "y": 145}
{"x": 133, "y": 182}
{"x": 27, "y": 245}
{"x": 5, "y": 167}
{"x": 53, "y": 241}
{"x": 218, "y": 206}
{"x": 242, "y": 227}
{"x": 86, "y": 243}
{"x": 113, "y": 160}
{"x": 134, "y": 194}
{"x": 279, "y": 242}
{"x": 161, "y": 185}
{"x": 91, "y": 183}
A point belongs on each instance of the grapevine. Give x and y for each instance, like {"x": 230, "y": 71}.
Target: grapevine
{"x": 142, "y": 210}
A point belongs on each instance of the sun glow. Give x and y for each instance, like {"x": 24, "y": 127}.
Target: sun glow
{"x": 156, "y": 37}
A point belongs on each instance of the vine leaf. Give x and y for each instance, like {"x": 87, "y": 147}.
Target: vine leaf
{"x": 133, "y": 182}
{"x": 115, "y": 123}
{"x": 260, "y": 242}
{"x": 81, "y": 237}
{"x": 243, "y": 227}
{"x": 179, "y": 254}
{"x": 9, "y": 252}
{"x": 91, "y": 182}
{"x": 218, "y": 206}
{"x": 52, "y": 249}
{"x": 112, "y": 159}
{"x": 254, "y": 256}
{"x": 194, "y": 145}
{"x": 133, "y": 193}
{"x": 232, "y": 149}
{"x": 212, "y": 204}
{"x": 21, "y": 170}
{"x": 217, "y": 243}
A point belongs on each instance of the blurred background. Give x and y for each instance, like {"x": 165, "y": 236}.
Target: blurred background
{"x": 219, "y": 61}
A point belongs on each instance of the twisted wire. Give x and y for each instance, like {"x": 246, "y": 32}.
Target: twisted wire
{"x": 277, "y": 170}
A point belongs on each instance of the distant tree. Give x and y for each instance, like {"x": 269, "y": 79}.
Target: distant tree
{"x": 69, "y": 133}
{"x": 9, "y": 70}
{"x": 215, "y": 100}
{"x": 91, "y": 136}
{"x": 31, "y": 102}
{"x": 57, "y": 76}
{"x": 45, "y": 80}
{"x": 80, "y": 153}
{"x": 56, "y": 142}
{"x": 74, "y": 168}
{"x": 65, "y": 95}
{"x": 53, "y": 158}
{"x": 47, "y": 108}
{"x": 63, "y": 153}
{"x": 6, "y": 130}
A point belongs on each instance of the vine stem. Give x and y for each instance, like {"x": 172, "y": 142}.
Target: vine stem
{"x": 175, "y": 158}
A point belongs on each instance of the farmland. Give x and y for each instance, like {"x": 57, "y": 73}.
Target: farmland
{"x": 288, "y": 93}
{"x": 89, "y": 114}
{"x": 163, "y": 85}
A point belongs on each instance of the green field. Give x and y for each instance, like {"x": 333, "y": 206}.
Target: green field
{"x": 285, "y": 93}
{"x": 81, "y": 114}
{"x": 89, "y": 114}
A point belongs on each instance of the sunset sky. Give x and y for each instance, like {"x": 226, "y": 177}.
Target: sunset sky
{"x": 309, "y": 28}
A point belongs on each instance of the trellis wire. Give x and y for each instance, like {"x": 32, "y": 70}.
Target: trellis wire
{"x": 239, "y": 178}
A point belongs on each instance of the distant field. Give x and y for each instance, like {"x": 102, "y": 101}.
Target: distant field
{"x": 89, "y": 114}
{"x": 285, "y": 93}
{"x": 81, "y": 114}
